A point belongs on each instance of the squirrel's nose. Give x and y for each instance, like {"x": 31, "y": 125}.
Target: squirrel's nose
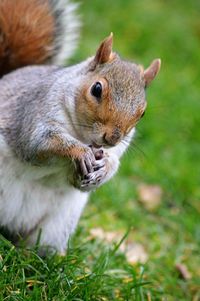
{"x": 112, "y": 139}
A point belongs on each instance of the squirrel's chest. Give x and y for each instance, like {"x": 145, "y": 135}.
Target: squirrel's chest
{"x": 25, "y": 198}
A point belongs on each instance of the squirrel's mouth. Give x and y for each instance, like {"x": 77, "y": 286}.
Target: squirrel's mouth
{"x": 98, "y": 146}
{"x": 94, "y": 144}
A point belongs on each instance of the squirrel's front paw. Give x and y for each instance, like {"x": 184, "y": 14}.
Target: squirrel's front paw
{"x": 85, "y": 164}
{"x": 90, "y": 169}
{"x": 97, "y": 177}
{"x": 94, "y": 170}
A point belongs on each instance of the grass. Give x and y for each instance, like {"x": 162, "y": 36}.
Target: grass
{"x": 166, "y": 154}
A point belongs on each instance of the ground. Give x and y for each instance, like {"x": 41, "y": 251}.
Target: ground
{"x": 165, "y": 155}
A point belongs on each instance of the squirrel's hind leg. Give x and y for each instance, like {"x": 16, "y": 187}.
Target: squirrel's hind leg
{"x": 54, "y": 230}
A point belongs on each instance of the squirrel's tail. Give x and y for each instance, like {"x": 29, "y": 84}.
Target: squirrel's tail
{"x": 36, "y": 32}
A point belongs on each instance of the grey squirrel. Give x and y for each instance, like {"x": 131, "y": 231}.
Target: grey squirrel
{"x": 62, "y": 129}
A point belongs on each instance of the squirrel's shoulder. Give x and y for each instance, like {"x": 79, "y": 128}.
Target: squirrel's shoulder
{"x": 23, "y": 84}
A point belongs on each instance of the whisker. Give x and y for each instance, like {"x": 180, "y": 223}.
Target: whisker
{"x": 84, "y": 125}
{"x": 134, "y": 146}
{"x": 140, "y": 150}
{"x": 81, "y": 125}
{"x": 129, "y": 148}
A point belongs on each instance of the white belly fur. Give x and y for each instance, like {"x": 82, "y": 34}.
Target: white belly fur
{"x": 26, "y": 205}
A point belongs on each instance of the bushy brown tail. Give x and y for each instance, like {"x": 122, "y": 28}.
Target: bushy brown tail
{"x": 33, "y": 31}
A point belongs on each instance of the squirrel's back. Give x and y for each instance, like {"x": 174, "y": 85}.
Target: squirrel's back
{"x": 36, "y": 32}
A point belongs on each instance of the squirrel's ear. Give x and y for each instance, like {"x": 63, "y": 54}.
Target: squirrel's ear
{"x": 104, "y": 53}
{"x": 151, "y": 72}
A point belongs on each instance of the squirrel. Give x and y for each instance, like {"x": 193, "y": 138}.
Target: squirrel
{"x": 63, "y": 129}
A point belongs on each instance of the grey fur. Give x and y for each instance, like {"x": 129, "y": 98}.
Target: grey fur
{"x": 67, "y": 25}
{"x": 32, "y": 99}
{"x": 39, "y": 103}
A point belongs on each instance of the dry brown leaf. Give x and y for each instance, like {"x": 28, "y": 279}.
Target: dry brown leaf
{"x": 183, "y": 271}
{"x": 148, "y": 296}
{"x": 133, "y": 251}
{"x": 150, "y": 195}
{"x": 108, "y": 236}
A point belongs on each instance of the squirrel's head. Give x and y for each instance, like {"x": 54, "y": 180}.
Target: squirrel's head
{"x": 111, "y": 98}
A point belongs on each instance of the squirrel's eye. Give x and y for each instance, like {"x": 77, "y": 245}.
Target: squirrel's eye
{"x": 142, "y": 114}
{"x": 96, "y": 90}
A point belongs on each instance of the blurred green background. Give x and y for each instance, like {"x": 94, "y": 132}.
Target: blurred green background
{"x": 166, "y": 151}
